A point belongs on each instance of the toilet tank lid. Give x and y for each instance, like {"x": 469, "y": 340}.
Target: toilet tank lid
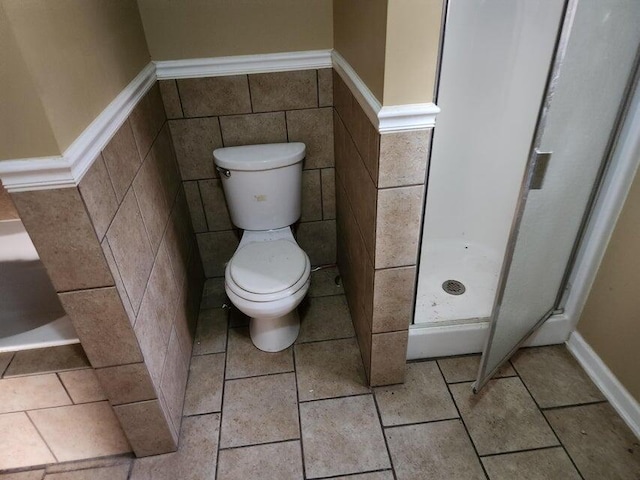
{"x": 259, "y": 157}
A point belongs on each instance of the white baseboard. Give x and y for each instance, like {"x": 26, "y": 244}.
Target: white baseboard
{"x": 67, "y": 170}
{"x": 243, "y": 64}
{"x": 446, "y": 341}
{"x": 449, "y": 340}
{"x": 619, "y": 397}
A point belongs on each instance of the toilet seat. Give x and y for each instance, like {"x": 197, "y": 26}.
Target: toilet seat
{"x": 266, "y": 271}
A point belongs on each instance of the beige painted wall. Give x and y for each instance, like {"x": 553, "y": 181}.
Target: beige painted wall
{"x": 610, "y": 322}
{"x": 359, "y": 35}
{"x": 392, "y": 45}
{"x": 411, "y": 55}
{"x": 80, "y": 55}
{"x": 213, "y": 28}
{"x": 24, "y": 127}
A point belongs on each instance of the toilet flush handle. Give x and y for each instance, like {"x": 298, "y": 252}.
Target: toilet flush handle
{"x": 223, "y": 172}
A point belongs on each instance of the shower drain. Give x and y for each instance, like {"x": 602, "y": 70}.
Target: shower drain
{"x": 453, "y": 287}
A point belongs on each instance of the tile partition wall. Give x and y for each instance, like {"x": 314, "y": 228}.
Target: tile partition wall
{"x": 121, "y": 253}
{"x": 212, "y": 112}
{"x": 379, "y": 197}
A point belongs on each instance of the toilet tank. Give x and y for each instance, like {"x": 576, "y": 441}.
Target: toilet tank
{"x": 262, "y": 183}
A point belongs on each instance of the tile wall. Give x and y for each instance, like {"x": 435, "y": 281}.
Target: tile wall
{"x": 379, "y": 197}
{"x": 121, "y": 254}
{"x": 208, "y": 113}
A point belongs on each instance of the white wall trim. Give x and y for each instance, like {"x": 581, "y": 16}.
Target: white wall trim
{"x": 243, "y": 64}
{"x": 619, "y": 397}
{"x": 426, "y": 341}
{"x": 367, "y": 100}
{"x": 388, "y": 119}
{"x": 67, "y": 170}
{"x": 400, "y": 118}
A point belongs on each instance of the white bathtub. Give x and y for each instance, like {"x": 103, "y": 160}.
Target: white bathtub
{"x": 30, "y": 314}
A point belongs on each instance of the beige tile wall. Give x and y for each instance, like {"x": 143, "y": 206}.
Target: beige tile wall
{"x": 379, "y": 193}
{"x": 121, "y": 253}
{"x": 208, "y": 113}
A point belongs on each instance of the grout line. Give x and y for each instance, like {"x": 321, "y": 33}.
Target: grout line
{"x": 48, "y": 372}
{"x": 197, "y": 179}
{"x": 295, "y": 374}
{"x": 84, "y": 203}
{"x": 550, "y": 447}
{"x": 73, "y": 467}
{"x": 224, "y": 382}
{"x": 550, "y": 426}
{"x": 426, "y": 422}
{"x": 562, "y": 407}
{"x": 126, "y": 293}
{"x": 146, "y": 229}
{"x": 2, "y": 373}
{"x": 355, "y": 474}
{"x": 238, "y": 447}
{"x": 337, "y": 397}
{"x": 84, "y": 290}
{"x": 204, "y": 212}
{"x": 56, "y": 407}
{"x": 317, "y": 88}
{"x": 473, "y": 380}
{"x": 464, "y": 425}
{"x": 246, "y": 76}
{"x": 286, "y": 125}
{"x": 131, "y": 463}
{"x": 326, "y": 340}
{"x": 258, "y": 376}
{"x": 65, "y": 388}
{"x": 42, "y": 437}
{"x": 179, "y": 100}
{"x": 384, "y": 436}
{"x": 321, "y": 196}
{"x": 202, "y": 414}
{"x": 221, "y": 135}
{"x": 193, "y": 117}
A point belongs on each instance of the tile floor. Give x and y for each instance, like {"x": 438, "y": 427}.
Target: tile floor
{"x": 53, "y": 410}
{"x": 306, "y": 413}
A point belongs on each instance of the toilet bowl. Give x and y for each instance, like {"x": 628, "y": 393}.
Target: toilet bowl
{"x": 269, "y": 274}
{"x": 266, "y": 279}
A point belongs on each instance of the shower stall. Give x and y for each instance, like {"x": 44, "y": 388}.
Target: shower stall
{"x": 30, "y": 314}
{"x": 494, "y": 68}
{"x": 532, "y": 95}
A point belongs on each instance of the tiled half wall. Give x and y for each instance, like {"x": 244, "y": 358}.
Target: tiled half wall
{"x": 121, "y": 254}
{"x": 212, "y": 112}
{"x": 379, "y": 191}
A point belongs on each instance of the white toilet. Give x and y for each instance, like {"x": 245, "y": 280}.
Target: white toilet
{"x": 269, "y": 274}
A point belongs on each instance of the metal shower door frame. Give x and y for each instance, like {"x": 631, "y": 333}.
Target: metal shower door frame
{"x": 552, "y": 82}
{"x": 633, "y": 83}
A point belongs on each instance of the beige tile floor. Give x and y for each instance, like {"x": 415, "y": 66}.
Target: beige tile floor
{"x": 52, "y": 411}
{"x": 306, "y": 413}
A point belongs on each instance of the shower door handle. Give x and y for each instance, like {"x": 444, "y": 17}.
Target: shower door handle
{"x": 541, "y": 162}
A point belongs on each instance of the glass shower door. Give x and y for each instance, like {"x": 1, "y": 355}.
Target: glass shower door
{"x": 589, "y": 81}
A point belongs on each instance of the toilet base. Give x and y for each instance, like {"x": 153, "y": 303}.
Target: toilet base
{"x": 275, "y": 334}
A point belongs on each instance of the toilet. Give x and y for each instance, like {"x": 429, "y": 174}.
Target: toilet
{"x": 269, "y": 274}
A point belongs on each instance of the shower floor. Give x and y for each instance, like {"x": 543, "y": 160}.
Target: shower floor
{"x": 476, "y": 267}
